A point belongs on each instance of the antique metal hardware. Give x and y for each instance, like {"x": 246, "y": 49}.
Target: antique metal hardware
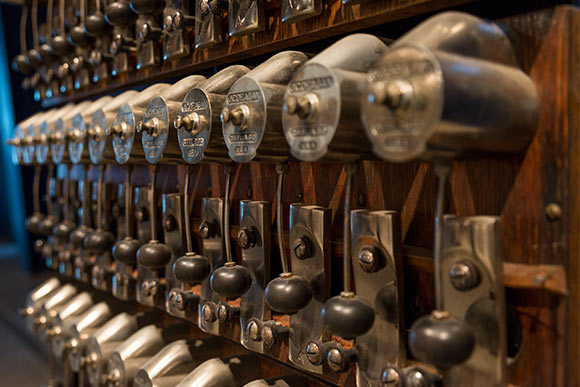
{"x": 377, "y": 273}
{"x": 177, "y": 24}
{"x": 282, "y": 381}
{"x": 312, "y": 224}
{"x": 55, "y": 318}
{"x": 58, "y": 125}
{"x": 123, "y": 129}
{"x": 174, "y": 236}
{"x": 39, "y": 317}
{"x": 149, "y": 32}
{"x": 296, "y": 10}
{"x": 254, "y": 239}
{"x": 158, "y": 134}
{"x": 321, "y": 105}
{"x": 123, "y": 45}
{"x": 198, "y": 121}
{"x": 251, "y": 112}
{"x": 152, "y": 258}
{"x": 223, "y": 372}
{"x": 81, "y": 260}
{"x": 245, "y": 17}
{"x": 438, "y": 96}
{"x": 208, "y": 22}
{"x": 39, "y": 294}
{"x": 175, "y": 361}
{"x": 213, "y": 251}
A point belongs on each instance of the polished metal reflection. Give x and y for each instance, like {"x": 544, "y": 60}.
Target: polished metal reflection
{"x": 228, "y": 372}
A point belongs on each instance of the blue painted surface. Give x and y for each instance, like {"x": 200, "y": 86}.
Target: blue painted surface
{"x": 10, "y": 174}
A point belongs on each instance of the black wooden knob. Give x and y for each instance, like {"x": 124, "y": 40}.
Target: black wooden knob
{"x": 21, "y": 64}
{"x": 147, "y": 7}
{"x": 78, "y": 236}
{"x": 288, "y": 293}
{"x": 119, "y": 13}
{"x": 231, "y": 280}
{"x": 63, "y": 230}
{"x": 441, "y": 339}
{"x": 96, "y": 25}
{"x": 48, "y": 224}
{"x": 61, "y": 46}
{"x": 126, "y": 251}
{"x": 79, "y": 36}
{"x": 154, "y": 255}
{"x": 47, "y": 54}
{"x": 99, "y": 242}
{"x": 348, "y": 316}
{"x": 191, "y": 268}
{"x": 34, "y": 221}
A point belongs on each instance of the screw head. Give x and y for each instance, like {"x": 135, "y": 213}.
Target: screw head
{"x": 169, "y": 223}
{"x": 246, "y": 238}
{"x": 463, "y": 275}
{"x": 268, "y": 336}
{"x": 208, "y": 312}
{"x": 141, "y": 214}
{"x": 168, "y": 23}
{"x": 553, "y": 212}
{"x": 336, "y": 360}
{"x": 368, "y": 259}
{"x": 206, "y": 230}
{"x": 254, "y": 331}
{"x": 224, "y": 313}
{"x": 416, "y": 378}
{"x": 313, "y": 353}
{"x": 302, "y": 247}
{"x": 391, "y": 377}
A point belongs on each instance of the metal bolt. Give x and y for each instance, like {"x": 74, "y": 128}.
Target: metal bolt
{"x": 268, "y": 336}
{"x": 336, "y": 360}
{"x": 463, "y": 275}
{"x": 208, "y": 313}
{"x": 206, "y": 230}
{"x": 254, "y": 331}
{"x": 141, "y": 214}
{"x": 302, "y": 247}
{"x": 38, "y": 245}
{"x": 168, "y": 23}
{"x": 313, "y": 353}
{"x": 246, "y": 238}
{"x": 391, "y": 377}
{"x": 368, "y": 259}
{"x": 416, "y": 378}
{"x": 169, "y": 223}
{"x": 553, "y": 212}
{"x": 224, "y": 313}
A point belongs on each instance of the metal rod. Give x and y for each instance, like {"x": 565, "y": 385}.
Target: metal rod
{"x": 86, "y": 195}
{"x": 36, "y": 188}
{"x": 281, "y": 170}
{"x": 83, "y": 11}
{"x": 100, "y": 188}
{"x": 49, "y": 179}
{"x": 442, "y": 171}
{"x": 152, "y": 204}
{"x": 227, "y": 234}
{"x": 49, "y": 10}
{"x": 129, "y": 214}
{"x": 186, "y": 220}
{"x": 66, "y": 188}
{"x": 23, "y": 19}
{"x": 350, "y": 170}
{"x": 62, "y": 11}
{"x": 34, "y": 22}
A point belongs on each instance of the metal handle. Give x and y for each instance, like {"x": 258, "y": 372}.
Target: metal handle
{"x": 442, "y": 171}
{"x": 23, "y": 19}
{"x": 36, "y": 188}
{"x": 152, "y": 206}
{"x": 100, "y": 187}
{"x": 34, "y": 23}
{"x": 350, "y": 169}
{"x": 187, "y": 224}
{"x": 281, "y": 170}
{"x": 228, "y": 244}
{"x": 86, "y": 196}
{"x": 129, "y": 213}
{"x": 66, "y": 187}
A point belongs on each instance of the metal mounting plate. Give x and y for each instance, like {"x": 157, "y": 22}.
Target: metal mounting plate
{"x": 245, "y": 17}
{"x": 174, "y": 234}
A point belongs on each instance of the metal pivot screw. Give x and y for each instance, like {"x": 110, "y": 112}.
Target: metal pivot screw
{"x": 302, "y": 247}
{"x": 553, "y": 212}
{"x": 206, "y": 230}
{"x": 272, "y": 332}
{"x": 463, "y": 275}
{"x": 181, "y": 21}
{"x": 141, "y": 214}
{"x": 395, "y": 95}
{"x": 305, "y": 106}
{"x": 209, "y": 312}
{"x": 313, "y": 353}
{"x": 169, "y": 223}
{"x": 238, "y": 116}
{"x": 149, "y": 288}
{"x": 226, "y": 312}
{"x": 168, "y": 23}
{"x": 246, "y": 238}
{"x": 369, "y": 259}
{"x": 391, "y": 377}
{"x": 176, "y": 300}
{"x": 416, "y": 378}
{"x": 337, "y": 361}
{"x": 254, "y": 331}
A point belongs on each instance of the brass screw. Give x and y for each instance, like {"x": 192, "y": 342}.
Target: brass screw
{"x": 553, "y": 212}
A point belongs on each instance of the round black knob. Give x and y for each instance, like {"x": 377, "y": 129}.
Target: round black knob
{"x": 147, "y": 7}
{"x": 441, "y": 339}
{"x": 231, "y": 280}
{"x": 48, "y": 224}
{"x": 348, "y": 316}
{"x": 78, "y": 236}
{"x": 126, "y": 251}
{"x": 288, "y": 293}
{"x": 61, "y": 46}
{"x": 34, "y": 58}
{"x": 119, "y": 13}
{"x": 47, "y": 53}
{"x": 34, "y": 221}
{"x": 99, "y": 242}
{"x": 96, "y": 25}
{"x": 79, "y": 36}
{"x": 21, "y": 63}
{"x": 191, "y": 268}
{"x": 63, "y": 230}
{"x": 154, "y": 255}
